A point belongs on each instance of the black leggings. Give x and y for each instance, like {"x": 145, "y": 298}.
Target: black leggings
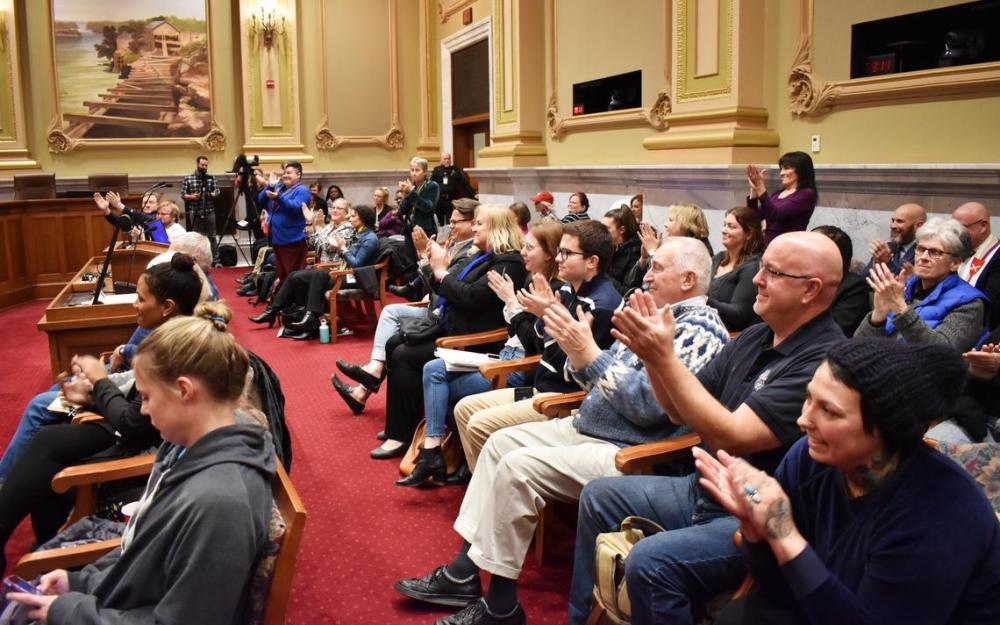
{"x": 404, "y": 401}
{"x": 28, "y": 487}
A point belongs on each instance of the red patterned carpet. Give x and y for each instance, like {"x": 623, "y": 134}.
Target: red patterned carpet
{"x": 362, "y": 532}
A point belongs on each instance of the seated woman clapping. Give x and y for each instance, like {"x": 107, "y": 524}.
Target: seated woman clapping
{"x": 164, "y": 291}
{"x": 934, "y": 305}
{"x": 352, "y": 244}
{"x": 863, "y": 522}
{"x": 189, "y": 550}
{"x": 442, "y": 390}
{"x": 463, "y": 303}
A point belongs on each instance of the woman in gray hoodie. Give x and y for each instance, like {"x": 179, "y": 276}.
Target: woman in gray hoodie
{"x": 189, "y": 550}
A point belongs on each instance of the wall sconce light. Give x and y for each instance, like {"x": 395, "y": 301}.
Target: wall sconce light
{"x": 269, "y": 26}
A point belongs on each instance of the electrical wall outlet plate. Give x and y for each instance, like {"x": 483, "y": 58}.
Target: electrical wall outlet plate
{"x": 815, "y": 143}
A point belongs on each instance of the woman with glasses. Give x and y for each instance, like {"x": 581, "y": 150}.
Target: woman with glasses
{"x": 934, "y": 305}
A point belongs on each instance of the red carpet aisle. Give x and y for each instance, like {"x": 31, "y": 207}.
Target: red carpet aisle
{"x": 362, "y": 532}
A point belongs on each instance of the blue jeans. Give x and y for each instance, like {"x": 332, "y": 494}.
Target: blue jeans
{"x": 667, "y": 573}
{"x": 388, "y": 326}
{"x": 36, "y": 415}
{"x": 442, "y": 390}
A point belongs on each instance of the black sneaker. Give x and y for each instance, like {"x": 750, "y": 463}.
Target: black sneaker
{"x": 478, "y": 614}
{"x": 439, "y": 588}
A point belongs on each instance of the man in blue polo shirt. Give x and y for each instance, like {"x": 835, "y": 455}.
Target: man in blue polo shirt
{"x": 745, "y": 401}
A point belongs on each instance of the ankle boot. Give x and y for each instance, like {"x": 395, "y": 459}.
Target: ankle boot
{"x": 308, "y": 322}
{"x": 430, "y": 464}
{"x": 269, "y": 316}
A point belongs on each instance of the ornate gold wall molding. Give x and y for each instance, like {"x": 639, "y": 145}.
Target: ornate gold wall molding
{"x": 655, "y": 116}
{"x": 447, "y": 8}
{"x": 810, "y": 95}
{"x": 393, "y": 138}
{"x": 687, "y": 83}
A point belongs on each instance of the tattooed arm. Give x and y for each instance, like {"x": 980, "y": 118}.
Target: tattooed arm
{"x": 755, "y": 498}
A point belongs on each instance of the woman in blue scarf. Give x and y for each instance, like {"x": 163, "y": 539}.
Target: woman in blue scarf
{"x": 934, "y": 305}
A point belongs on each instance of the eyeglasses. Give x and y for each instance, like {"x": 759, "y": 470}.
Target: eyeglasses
{"x": 935, "y": 254}
{"x": 457, "y": 221}
{"x": 565, "y": 253}
{"x": 528, "y": 247}
{"x": 771, "y": 272}
{"x": 976, "y": 222}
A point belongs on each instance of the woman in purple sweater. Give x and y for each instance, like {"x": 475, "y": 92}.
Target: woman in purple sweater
{"x": 789, "y": 209}
{"x": 863, "y": 523}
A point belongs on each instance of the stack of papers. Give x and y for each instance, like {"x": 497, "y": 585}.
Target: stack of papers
{"x": 457, "y": 360}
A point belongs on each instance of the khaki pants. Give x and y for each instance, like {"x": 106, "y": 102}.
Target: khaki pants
{"x": 521, "y": 468}
{"x": 478, "y": 416}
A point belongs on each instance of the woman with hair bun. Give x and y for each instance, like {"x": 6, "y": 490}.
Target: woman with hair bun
{"x": 164, "y": 291}
{"x": 189, "y": 550}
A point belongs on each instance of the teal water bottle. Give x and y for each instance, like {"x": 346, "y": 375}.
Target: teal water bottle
{"x": 324, "y": 332}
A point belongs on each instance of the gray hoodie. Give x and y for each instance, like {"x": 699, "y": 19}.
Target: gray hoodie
{"x": 190, "y": 551}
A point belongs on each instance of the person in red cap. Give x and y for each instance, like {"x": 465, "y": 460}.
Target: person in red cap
{"x": 543, "y": 204}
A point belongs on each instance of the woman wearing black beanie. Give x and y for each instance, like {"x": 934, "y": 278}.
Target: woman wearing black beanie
{"x": 863, "y": 522}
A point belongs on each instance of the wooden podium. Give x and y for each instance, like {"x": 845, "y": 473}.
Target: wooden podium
{"x": 75, "y": 326}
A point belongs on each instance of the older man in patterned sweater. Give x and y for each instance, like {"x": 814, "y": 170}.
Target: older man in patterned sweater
{"x": 523, "y": 466}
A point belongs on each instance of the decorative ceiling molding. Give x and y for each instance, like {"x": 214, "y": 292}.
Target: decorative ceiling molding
{"x": 655, "y": 116}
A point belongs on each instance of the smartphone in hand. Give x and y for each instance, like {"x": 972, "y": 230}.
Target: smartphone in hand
{"x": 13, "y": 583}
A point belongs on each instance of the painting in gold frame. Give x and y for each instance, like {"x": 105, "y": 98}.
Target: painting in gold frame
{"x": 132, "y": 73}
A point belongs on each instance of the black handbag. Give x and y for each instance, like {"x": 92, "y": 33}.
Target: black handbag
{"x": 415, "y": 330}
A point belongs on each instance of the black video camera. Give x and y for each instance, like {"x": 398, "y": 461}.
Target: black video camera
{"x": 243, "y": 165}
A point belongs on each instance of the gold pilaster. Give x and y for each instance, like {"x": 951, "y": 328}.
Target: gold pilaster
{"x": 518, "y": 85}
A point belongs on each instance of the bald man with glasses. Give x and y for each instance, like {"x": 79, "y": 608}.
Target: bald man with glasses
{"x": 746, "y": 401}
{"x": 982, "y": 269}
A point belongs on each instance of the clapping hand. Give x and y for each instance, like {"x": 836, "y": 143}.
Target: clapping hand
{"x": 503, "y": 286}
{"x": 308, "y": 213}
{"x": 888, "y": 292}
{"x": 644, "y": 329}
{"x": 114, "y": 200}
{"x": 650, "y": 240}
{"x": 572, "y": 334}
{"x": 76, "y": 390}
{"x": 755, "y": 176}
{"x": 438, "y": 258}
{"x": 880, "y": 252}
{"x": 90, "y": 367}
{"x": 539, "y": 298}
{"x": 750, "y": 495}
{"x": 984, "y": 363}
{"x": 102, "y": 203}
{"x": 406, "y": 186}
{"x": 420, "y": 240}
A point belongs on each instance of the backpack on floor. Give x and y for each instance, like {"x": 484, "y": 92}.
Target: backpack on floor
{"x": 227, "y": 255}
{"x": 612, "y": 549}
